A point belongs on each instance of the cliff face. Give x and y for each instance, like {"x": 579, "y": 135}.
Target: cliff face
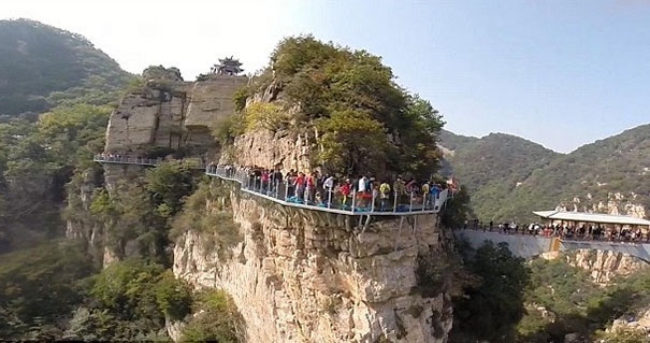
{"x": 615, "y": 203}
{"x": 172, "y": 115}
{"x": 295, "y": 275}
{"x": 304, "y": 276}
{"x": 604, "y": 266}
{"x": 166, "y": 114}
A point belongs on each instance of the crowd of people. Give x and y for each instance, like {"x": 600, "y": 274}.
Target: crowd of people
{"x": 360, "y": 193}
{"x": 357, "y": 193}
{"x": 566, "y": 231}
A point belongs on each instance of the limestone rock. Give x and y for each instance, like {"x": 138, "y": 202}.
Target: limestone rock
{"x": 305, "y": 277}
{"x": 178, "y": 115}
{"x": 212, "y": 99}
{"x": 615, "y": 203}
{"x": 604, "y": 266}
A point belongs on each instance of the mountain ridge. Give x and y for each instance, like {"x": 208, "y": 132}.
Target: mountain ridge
{"x": 609, "y": 175}
{"x": 42, "y": 66}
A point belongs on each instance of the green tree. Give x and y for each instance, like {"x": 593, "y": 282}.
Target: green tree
{"x": 135, "y": 289}
{"x": 40, "y": 285}
{"x": 364, "y": 121}
{"x": 218, "y": 320}
{"x": 457, "y": 210}
{"x": 354, "y": 142}
{"x": 491, "y": 310}
{"x": 169, "y": 183}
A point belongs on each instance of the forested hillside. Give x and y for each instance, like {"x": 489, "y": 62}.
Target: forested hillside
{"x": 42, "y": 66}
{"x": 509, "y": 177}
{"x": 57, "y": 93}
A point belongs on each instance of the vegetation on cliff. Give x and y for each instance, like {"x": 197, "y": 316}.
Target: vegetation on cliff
{"x": 542, "y": 301}
{"x": 217, "y": 320}
{"x": 49, "y": 292}
{"x": 490, "y": 309}
{"x": 46, "y": 66}
{"x": 565, "y": 300}
{"x": 509, "y": 177}
{"x": 36, "y": 161}
{"x": 366, "y": 122}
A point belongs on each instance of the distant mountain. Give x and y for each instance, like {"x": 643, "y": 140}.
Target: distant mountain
{"x": 493, "y": 167}
{"x": 509, "y": 177}
{"x": 42, "y": 66}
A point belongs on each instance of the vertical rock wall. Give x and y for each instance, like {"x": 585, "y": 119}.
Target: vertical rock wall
{"x": 165, "y": 113}
{"x": 178, "y": 115}
{"x": 306, "y": 276}
{"x": 605, "y": 266}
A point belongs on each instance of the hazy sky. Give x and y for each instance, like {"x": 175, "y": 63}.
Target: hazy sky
{"x": 561, "y": 73}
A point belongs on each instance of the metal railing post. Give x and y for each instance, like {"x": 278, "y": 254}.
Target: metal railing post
{"x": 286, "y": 191}
{"x": 354, "y": 199}
{"x": 305, "y": 196}
{"x": 424, "y": 202}
{"x": 372, "y": 205}
{"x": 276, "y": 191}
{"x": 268, "y": 187}
{"x": 329, "y": 198}
{"x": 411, "y": 203}
{"x": 394, "y": 201}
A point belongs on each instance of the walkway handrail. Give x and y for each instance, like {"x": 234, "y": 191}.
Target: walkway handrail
{"x": 283, "y": 193}
{"x": 571, "y": 237}
{"x": 142, "y": 161}
{"x": 527, "y": 244}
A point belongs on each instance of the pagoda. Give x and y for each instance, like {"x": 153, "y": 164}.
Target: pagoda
{"x": 227, "y": 66}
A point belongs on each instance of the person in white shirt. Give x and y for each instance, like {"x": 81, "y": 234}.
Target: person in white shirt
{"x": 328, "y": 187}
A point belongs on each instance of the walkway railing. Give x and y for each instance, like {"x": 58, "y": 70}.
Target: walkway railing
{"x": 321, "y": 200}
{"x": 328, "y": 201}
{"x": 141, "y": 161}
{"x": 528, "y": 246}
{"x": 597, "y": 235}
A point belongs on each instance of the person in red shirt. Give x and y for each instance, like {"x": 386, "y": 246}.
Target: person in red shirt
{"x": 310, "y": 184}
{"x": 345, "y": 191}
{"x": 300, "y": 186}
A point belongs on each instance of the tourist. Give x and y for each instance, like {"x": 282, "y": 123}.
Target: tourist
{"x": 328, "y": 187}
{"x": 300, "y": 186}
{"x": 384, "y": 195}
{"x": 346, "y": 189}
{"x": 310, "y": 186}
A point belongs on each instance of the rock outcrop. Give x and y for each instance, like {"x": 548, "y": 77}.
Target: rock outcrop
{"x": 305, "y": 276}
{"x": 616, "y": 203}
{"x": 296, "y": 275}
{"x": 604, "y": 266}
{"x": 165, "y": 115}
{"x": 172, "y": 114}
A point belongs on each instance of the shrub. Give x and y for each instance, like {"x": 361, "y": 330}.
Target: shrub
{"x": 262, "y": 115}
{"x": 218, "y": 320}
{"x": 216, "y": 224}
{"x": 135, "y": 288}
{"x": 226, "y": 128}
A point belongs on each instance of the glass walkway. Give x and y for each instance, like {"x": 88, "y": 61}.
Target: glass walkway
{"x": 325, "y": 200}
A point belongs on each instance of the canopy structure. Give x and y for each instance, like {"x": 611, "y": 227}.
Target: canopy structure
{"x": 597, "y": 218}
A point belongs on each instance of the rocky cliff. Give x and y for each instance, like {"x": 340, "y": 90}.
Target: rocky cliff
{"x": 605, "y": 266}
{"x": 162, "y": 116}
{"x": 172, "y": 114}
{"x": 613, "y": 203}
{"x": 305, "y": 276}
